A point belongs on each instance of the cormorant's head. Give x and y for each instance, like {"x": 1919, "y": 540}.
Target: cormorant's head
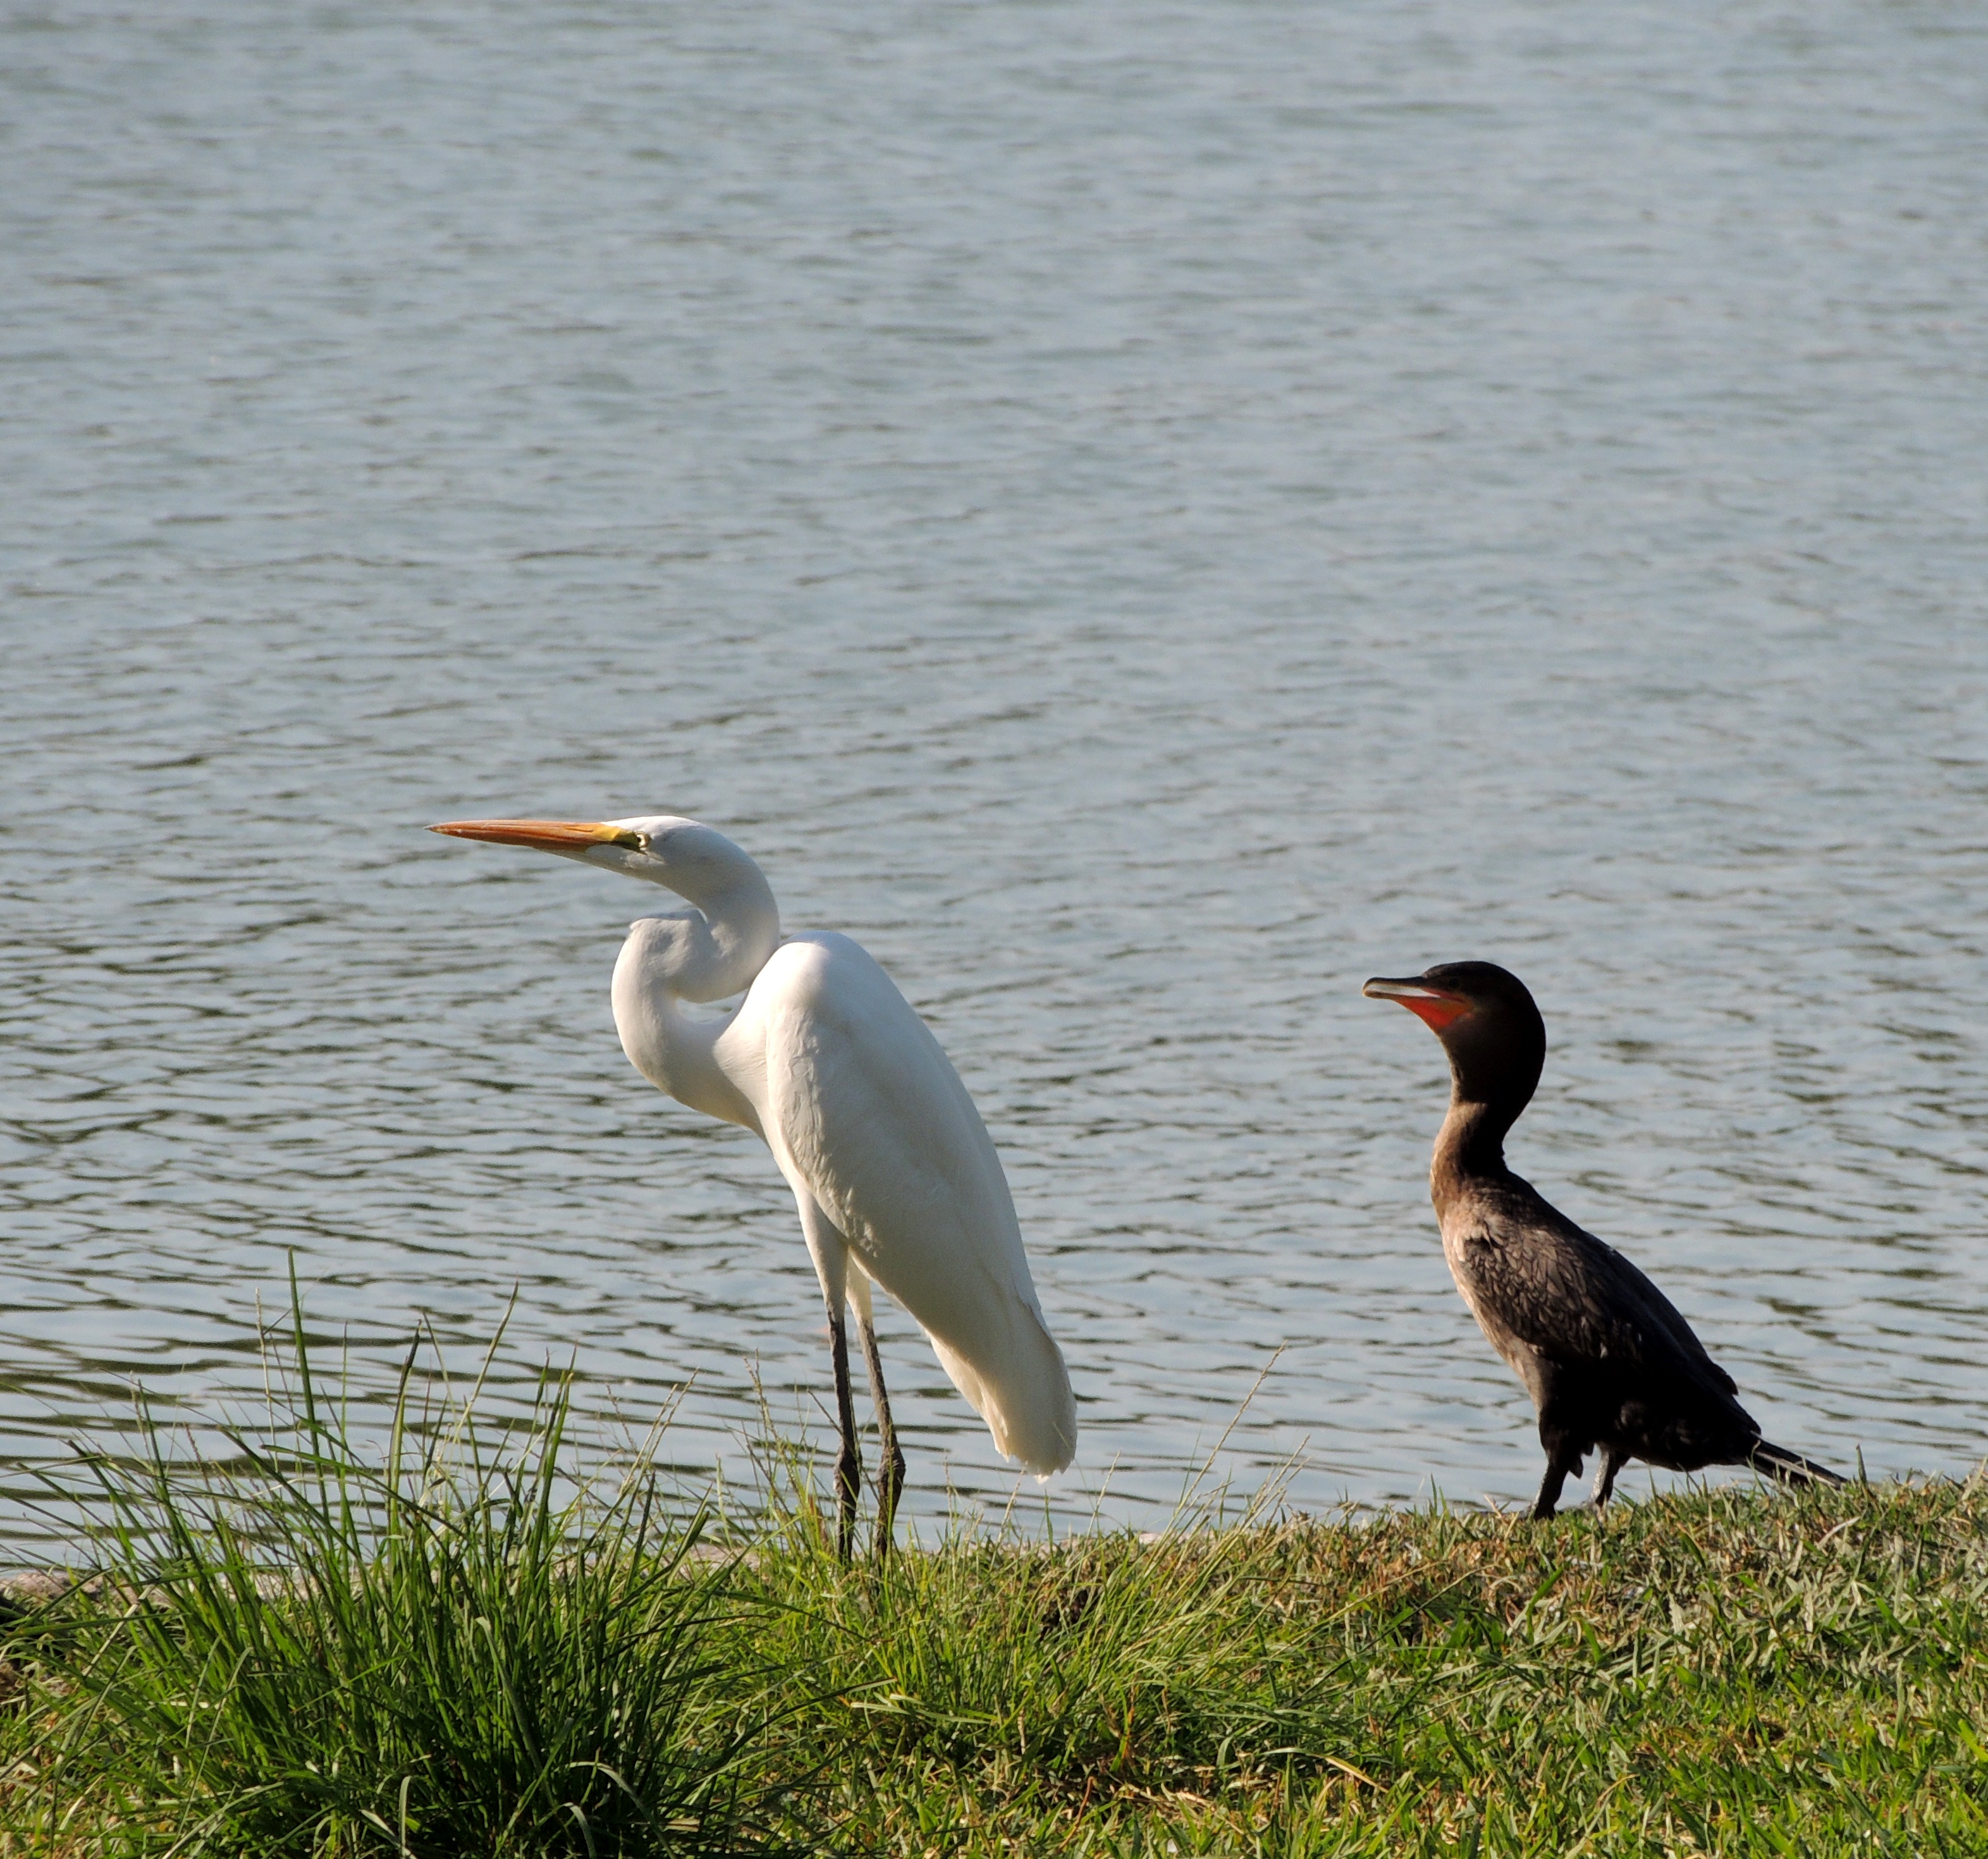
{"x": 1487, "y": 1022}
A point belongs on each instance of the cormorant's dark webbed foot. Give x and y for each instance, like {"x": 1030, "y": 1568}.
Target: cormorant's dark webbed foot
{"x": 1560, "y": 1462}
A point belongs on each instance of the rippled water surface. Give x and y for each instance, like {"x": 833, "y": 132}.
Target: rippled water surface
{"x": 1145, "y": 516}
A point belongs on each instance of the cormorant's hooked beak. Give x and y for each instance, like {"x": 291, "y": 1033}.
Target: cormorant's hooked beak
{"x": 575, "y": 838}
{"x": 1437, "y": 1006}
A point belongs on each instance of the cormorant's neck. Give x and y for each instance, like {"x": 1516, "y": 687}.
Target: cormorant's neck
{"x": 1495, "y": 1061}
{"x": 1470, "y": 1147}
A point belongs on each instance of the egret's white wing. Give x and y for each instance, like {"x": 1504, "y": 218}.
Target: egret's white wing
{"x": 865, "y": 1112}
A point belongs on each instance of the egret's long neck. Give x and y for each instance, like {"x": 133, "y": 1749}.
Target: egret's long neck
{"x": 702, "y": 954}
{"x": 672, "y": 1047}
{"x": 737, "y": 926}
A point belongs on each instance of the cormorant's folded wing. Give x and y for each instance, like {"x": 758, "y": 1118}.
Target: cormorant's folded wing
{"x": 1575, "y": 1298}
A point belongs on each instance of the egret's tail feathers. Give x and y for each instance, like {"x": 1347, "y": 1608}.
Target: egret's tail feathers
{"x": 1023, "y": 1392}
{"x": 1790, "y": 1466}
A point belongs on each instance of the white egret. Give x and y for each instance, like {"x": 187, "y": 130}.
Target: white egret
{"x": 894, "y": 1174}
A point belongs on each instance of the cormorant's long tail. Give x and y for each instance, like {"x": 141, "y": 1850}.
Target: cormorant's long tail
{"x": 1790, "y": 1466}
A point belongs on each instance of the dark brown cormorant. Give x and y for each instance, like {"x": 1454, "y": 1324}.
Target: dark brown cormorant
{"x": 1608, "y": 1361}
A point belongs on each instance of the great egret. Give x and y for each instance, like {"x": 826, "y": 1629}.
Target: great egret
{"x": 894, "y": 1174}
{"x": 1603, "y": 1353}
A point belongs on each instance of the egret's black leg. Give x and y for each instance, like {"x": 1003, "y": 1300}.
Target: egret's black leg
{"x": 890, "y": 1473}
{"x": 848, "y": 1462}
{"x": 1612, "y": 1461}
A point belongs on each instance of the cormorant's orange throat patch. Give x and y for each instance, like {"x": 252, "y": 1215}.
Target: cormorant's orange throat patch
{"x": 1439, "y": 1010}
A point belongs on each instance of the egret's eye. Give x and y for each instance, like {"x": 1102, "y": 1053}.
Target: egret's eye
{"x": 635, "y": 842}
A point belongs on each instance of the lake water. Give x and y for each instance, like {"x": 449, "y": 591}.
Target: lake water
{"x": 1145, "y": 516}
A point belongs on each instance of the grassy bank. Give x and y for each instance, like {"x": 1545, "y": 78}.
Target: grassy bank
{"x": 446, "y": 1656}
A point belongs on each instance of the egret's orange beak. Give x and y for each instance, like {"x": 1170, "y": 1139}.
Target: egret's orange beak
{"x": 1437, "y": 1006}
{"x": 567, "y": 836}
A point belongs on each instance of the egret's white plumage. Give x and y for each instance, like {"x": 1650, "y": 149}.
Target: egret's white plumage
{"x": 893, "y": 1171}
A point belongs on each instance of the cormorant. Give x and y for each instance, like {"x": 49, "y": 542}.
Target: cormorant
{"x": 1608, "y": 1361}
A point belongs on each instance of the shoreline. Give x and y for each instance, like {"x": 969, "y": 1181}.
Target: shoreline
{"x": 1711, "y": 1671}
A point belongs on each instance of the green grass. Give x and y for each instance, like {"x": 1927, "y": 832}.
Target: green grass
{"x": 456, "y": 1653}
